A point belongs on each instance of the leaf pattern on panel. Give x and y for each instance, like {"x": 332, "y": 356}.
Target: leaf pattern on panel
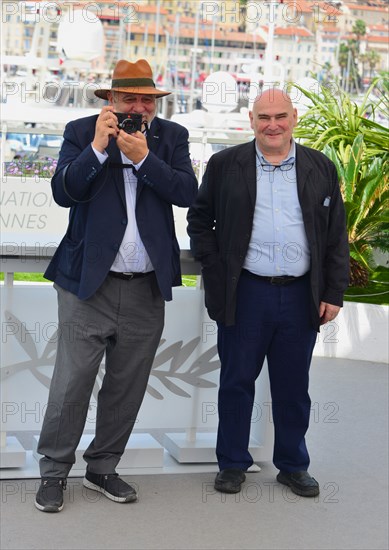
{"x": 167, "y": 366}
{"x": 178, "y": 354}
{"x": 26, "y": 342}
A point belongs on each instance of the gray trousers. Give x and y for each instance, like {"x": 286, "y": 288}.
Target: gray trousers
{"x": 124, "y": 320}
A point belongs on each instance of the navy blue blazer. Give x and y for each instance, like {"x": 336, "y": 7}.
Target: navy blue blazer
{"x": 95, "y": 194}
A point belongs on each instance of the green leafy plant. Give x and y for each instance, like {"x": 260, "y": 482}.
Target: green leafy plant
{"x": 335, "y": 117}
{"x": 359, "y": 148}
{"x": 366, "y": 198}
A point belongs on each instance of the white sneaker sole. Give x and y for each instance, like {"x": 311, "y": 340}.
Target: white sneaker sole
{"x": 94, "y": 487}
{"x": 50, "y": 509}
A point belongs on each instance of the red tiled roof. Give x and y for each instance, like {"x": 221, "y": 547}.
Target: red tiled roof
{"x": 202, "y": 34}
{"x": 331, "y": 28}
{"x": 362, "y": 7}
{"x": 291, "y": 31}
{"x": 378, "y": 39}
{"x": 379, "y": 28}
{"x": 302, "y": 6}
{"x": 189, "y": 20}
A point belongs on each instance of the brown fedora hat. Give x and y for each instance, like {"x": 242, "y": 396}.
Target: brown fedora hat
{"x": 133, "y": 78}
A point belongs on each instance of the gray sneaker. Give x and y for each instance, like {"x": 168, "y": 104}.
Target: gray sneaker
{"x": 49, "y": 497}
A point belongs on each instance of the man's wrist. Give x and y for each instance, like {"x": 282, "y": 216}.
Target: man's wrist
{"x": 101, "y": 155}
{"x": 139, "y": 164}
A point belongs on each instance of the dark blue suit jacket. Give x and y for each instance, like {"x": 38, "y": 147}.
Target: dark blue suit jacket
{"x": 95, "y": 194}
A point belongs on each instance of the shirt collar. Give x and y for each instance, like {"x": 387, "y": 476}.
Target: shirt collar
{"x": 289, "y": 159}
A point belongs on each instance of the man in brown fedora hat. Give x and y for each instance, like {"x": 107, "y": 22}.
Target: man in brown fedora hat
{"x": 113, "y": 271}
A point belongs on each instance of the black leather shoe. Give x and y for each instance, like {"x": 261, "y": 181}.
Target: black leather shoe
{"x": 301, "y": 483}
{"x": 229, "y": 480}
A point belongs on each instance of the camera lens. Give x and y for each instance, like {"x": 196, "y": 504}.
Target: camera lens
{"x": 129, "y": 126}
{"x": 130, "y": 122}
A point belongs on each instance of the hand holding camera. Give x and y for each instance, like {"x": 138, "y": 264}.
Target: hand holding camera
{"x": 130, "y": 140}
{"x": 106, "y": 127}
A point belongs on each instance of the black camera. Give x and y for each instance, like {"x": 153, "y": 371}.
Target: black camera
{"x": 129, "y": 122}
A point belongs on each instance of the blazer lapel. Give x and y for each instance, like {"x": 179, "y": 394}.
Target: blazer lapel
{"x": 153, "y": 140}
{"x": 247, "y": 161}
{"x": 303, "y": 171}
{"x": 153, "y": 135}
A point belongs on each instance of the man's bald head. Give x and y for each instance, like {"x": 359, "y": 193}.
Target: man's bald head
{"x": 273, "y": 118}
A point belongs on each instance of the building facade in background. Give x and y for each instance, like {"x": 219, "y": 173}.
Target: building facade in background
{"x": 187, "y": 40}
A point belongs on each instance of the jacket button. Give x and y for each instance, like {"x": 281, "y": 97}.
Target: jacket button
{"x": 124, "y": 221}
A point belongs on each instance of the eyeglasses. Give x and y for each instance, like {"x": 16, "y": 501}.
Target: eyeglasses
{"x": 272, "y": 167}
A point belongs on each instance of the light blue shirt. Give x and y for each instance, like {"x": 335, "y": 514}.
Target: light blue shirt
{"x": 278, "y": 244}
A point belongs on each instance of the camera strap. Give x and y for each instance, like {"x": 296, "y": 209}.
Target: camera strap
{"x": 106, "y": 166}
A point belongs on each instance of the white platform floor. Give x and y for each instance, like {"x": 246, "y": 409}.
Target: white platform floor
{"x": 348, "y": 443}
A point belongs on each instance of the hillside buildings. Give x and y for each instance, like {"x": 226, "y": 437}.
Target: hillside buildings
{"x": 184, "y": 41}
